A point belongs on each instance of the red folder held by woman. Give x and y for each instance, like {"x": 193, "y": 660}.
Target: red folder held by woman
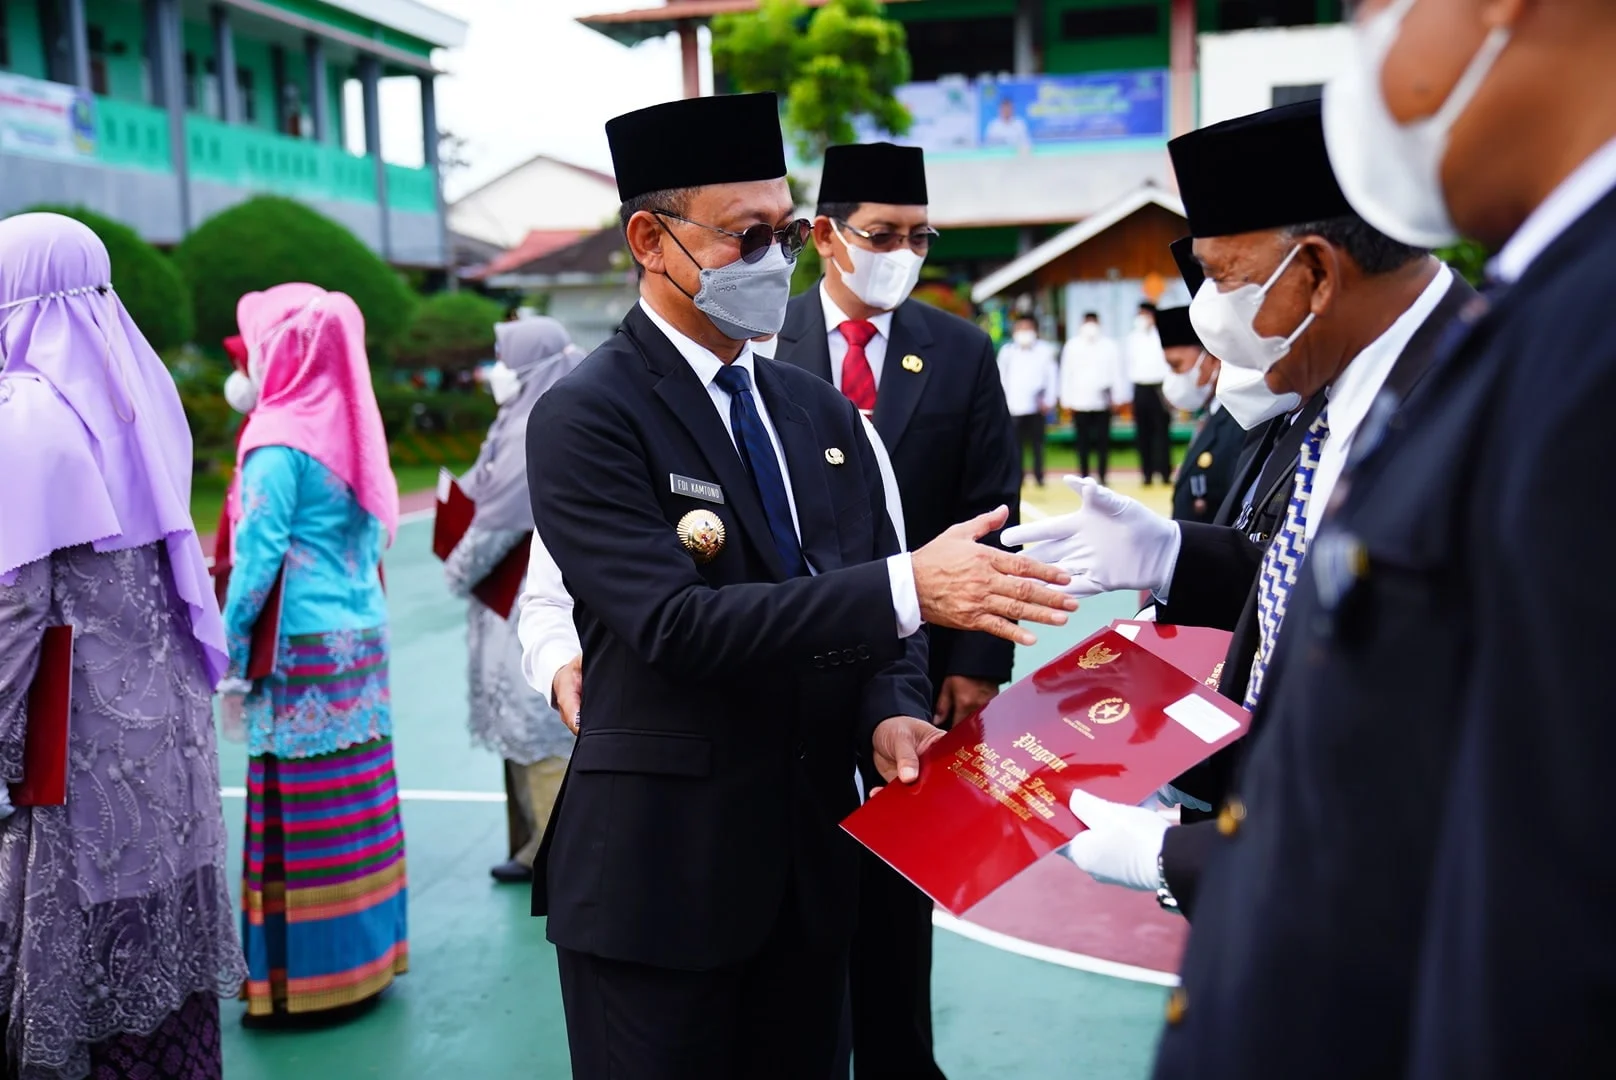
{"x": 44, "y": 749}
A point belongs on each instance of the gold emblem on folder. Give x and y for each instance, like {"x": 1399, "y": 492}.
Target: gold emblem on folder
{"x": 913, "y": 364}
{"x": 702, "y": 534}
{"x": 1098, "y": 656}
{"x": 1108, "y": 710}
{"x": 835, "y": 456}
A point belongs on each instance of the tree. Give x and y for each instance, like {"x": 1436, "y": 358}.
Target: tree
{"x": 1468, "y": 259}
{"x": 147, "y": 281}
{"x": 268, "y": 241}
{"x": 450, "y": 330}
{"x": 844, "y": 61}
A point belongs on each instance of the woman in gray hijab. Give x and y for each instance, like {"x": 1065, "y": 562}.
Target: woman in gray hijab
{"x": 507, "y": 715}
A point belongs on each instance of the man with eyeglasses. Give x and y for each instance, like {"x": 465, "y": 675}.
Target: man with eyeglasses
{"x": 748, "y": 628}
{"x": 929, "y": 381}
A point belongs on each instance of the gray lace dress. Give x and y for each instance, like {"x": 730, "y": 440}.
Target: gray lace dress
{"x": 114, "y": 909}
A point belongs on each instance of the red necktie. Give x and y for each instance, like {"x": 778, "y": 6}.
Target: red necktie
{"x": 858, "y": 381}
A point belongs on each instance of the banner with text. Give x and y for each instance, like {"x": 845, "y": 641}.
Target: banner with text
{"x": 45, "y": 118}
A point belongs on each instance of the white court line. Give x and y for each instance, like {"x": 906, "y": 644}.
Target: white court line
{"x": 417, "y": 515}
{"x": 1029, "y": 512}
{"x": 1049, "y": 954}
{"x": 409, "y": 795}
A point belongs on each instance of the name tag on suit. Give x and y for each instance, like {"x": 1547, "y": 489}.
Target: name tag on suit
{"x": 704, "y": 490}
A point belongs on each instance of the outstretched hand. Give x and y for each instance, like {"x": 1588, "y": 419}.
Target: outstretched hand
{"x": 968, "y": 585}
{"x": 898, "y": 743}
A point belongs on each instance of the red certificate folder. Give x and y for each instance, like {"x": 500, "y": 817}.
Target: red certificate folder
{"x": 264, "y": 646}
{"x": 44, "y": 748}
{"x": 1109, "y": 716}
{"x": 1197, "y": 651}
{"x": 497, "y": 591}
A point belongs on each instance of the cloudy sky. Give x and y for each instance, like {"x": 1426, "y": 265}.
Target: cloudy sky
{"x": 529, "y": 80}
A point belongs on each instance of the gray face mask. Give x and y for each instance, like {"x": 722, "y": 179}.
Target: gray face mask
{"x": 746, "y": 300}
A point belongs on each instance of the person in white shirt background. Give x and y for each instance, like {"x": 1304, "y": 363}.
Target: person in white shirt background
{"x": 1031, "y": 377}
{"x": 1007, "y": 129}
{"x": 1147, "y": 370}
{"x": 1093, "y": 383}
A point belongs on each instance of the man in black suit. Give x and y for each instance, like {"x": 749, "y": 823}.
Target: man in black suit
{"x": 1329, "y": 303}
{"x": 1441, "y": 676}
{"x": 930, "y": 382}
{"x": 748, "y": 627}
{"x": 1207, "y": 474}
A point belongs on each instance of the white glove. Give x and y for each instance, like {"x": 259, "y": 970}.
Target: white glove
{"x": 1112, "y": 542}
{"x": 1122, "y": 844}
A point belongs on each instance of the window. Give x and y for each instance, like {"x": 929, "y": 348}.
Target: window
{"x": 960, "y": 47}
{"x": 99, "y": 83}
{"x": 1290, "y": 95}
{"x": 190, "y": 80}
{"x": 1247, "y": 14}
{"x": 244, "y": 90}
{"x": 1132, "y": 20}
{"x": 5, "y": 38}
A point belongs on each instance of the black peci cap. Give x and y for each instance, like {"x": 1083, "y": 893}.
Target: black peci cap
{"x": 1173, "y": 327}
{"x": 695, "y": 142}
{"x": 1268, "y": 170}
{"x": 1183, "y": 250}
{"x": 874, "y": 173}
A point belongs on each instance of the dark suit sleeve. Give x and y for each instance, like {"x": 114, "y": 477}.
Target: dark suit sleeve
{"x": 902, "y": 688}
{"x": 1217, "y": 566}
{"x": 1185, "y": 851}
{"x": 600, "y": 519}
{"x": 992, "y": 478}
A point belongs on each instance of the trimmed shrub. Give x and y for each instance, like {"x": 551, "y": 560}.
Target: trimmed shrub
{"x": 147, "y": 281}
{"x": 269, "y": 241}
{"x": 405, "y": 409}
{"x": 450, "y": 330}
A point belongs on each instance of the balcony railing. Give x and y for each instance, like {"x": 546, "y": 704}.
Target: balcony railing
{"x": 132, "y": 136}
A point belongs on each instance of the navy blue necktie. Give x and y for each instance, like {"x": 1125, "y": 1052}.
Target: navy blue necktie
{"x": 757, "y": 454}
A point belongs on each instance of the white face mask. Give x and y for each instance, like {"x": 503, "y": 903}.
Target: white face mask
{"x": 881, "y": 279}
{"x": 1183, "y": 390}
{"x": 1090, "y": 331}
{"x": 1026, "y": 338}
{"x": 1247, "y": 397}
{"x": 1142, "y": 323}
{"x": 241, "y": 392}
{"x": 503, "y": 383}
{"x": 1391, "y": 173}
{"x": 1226, "y": 322}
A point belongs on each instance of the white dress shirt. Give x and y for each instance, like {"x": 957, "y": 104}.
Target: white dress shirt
{"x": 1091, "y": 375}
{"x": 545, "y": 625}
{"x": 1028, "y": 375}
{"x": 1147, "y": 363}
{"x": 1576, "y": 195}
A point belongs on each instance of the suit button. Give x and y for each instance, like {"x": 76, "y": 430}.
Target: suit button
{"x": 850, "y": 656}
{"x": 1230, "y": 817}
{"x": 1177, "y": 1004}
{"x": 802, "y": 752}
{"x": 863, "y": 652}
{"x": 819, "y": 662}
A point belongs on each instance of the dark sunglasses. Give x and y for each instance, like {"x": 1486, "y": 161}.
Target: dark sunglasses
{"x": 918, "y": 241}
{"x": 755, "y": 239}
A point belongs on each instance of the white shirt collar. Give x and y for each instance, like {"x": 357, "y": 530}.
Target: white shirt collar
{"x": 703, "y": 361}
{"x": 1355, "y": 391}
{"x": 835, "y": 316}
{"x": 1575, "y": 196}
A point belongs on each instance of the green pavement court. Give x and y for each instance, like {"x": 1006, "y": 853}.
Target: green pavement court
{"x": 481, "y": 998}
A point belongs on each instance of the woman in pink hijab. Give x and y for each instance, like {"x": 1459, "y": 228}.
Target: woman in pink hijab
{"x": 313, "y": 507}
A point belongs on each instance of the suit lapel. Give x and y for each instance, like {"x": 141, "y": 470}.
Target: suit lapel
{"x": 901, "y": 388}
{"x": 805, "y": 462}
{"x": 691, "y": 405}
{"x": 804, "y": 339}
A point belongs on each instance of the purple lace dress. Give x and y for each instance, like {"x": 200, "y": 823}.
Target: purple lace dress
{"x": 117, "y": 933}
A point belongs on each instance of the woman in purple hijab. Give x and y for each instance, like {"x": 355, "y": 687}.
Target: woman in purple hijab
{"x": 117, "y": 933}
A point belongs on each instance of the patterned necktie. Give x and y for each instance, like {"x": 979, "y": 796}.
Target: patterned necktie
{"x": 1283, "y": 559}
{"x": 858, "y": 381}
{"x": 757, "y": 454}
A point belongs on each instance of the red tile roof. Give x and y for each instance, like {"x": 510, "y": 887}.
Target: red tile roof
{"x": 535, "y": 245}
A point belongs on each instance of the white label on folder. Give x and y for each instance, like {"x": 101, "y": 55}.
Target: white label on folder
{"x": 1205, "y": 720}
{"x": 445, "y": 481}
{"x": 1129, "y": 630}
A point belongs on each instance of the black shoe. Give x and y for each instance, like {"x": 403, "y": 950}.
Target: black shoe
{"x": 512, "y": 872}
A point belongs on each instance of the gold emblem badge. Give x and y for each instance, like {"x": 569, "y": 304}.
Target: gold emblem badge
{"x": 835, "y": 456}
{"x": 702, "y": 534}
{"x": 1205, "y": 460}
{"x": 1098, "y": 656}
{"x": 913, "y": 364}
{"x": 1108, "y": 711}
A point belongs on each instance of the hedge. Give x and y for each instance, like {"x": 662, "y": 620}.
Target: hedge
{"x": 450, "y": 330}
{"x": 405, "y": 409}
{"x": 147, "y": 281}
{"x": 268, "y": 241}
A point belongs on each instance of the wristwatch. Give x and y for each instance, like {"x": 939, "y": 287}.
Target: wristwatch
{"x": 1164, "y": 895}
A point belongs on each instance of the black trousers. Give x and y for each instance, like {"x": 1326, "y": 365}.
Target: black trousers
{"x": 776, "y": 1015}
{"x": 891, "y": 978}
{"x": 1091, "y": 432}
{"x": 1151, "y": 432}
{"x": 1030, "y": 432}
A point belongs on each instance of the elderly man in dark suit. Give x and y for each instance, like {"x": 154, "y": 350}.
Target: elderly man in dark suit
{"x": 1301, "y": 288}
{"x": 748, "y": 627}
{"x": 930, "y": 383}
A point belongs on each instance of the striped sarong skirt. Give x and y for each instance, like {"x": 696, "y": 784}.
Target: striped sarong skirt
{"x": 323, "y": 891}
